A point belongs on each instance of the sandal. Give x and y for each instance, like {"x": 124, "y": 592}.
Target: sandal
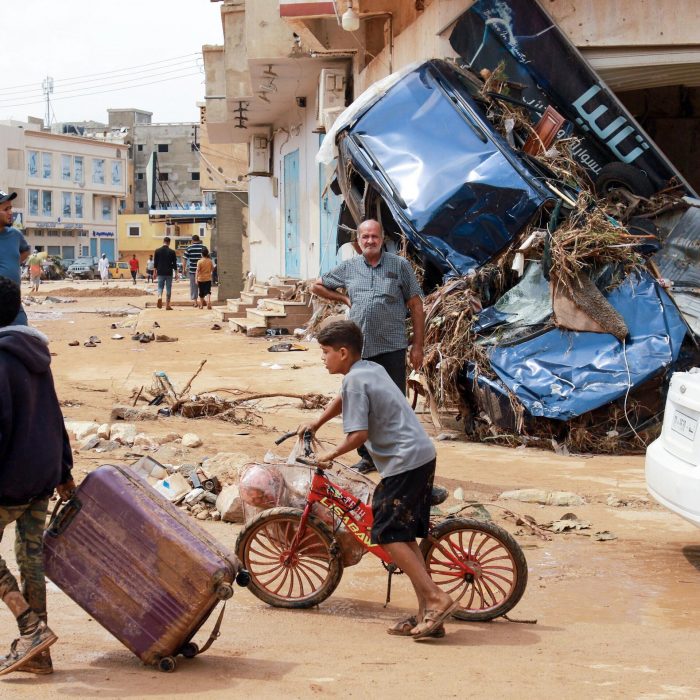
{"x": 403, "y": 628}
{"x": 433, "y": 619}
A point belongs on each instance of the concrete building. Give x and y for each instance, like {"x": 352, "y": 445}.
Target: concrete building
{"x": 140, "y": 235}
{"x": 286, "y": 68}
{"x": 70, "y": 189}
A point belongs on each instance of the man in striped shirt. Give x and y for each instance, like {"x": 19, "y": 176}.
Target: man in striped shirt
{"x": 193, "y": 253}
{"x": 380, "y": 287}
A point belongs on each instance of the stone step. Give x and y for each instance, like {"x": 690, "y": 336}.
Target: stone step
{"x": 226, "y": 314}
{"x": 242, "y": 325}
{"x": 286, "y": 307}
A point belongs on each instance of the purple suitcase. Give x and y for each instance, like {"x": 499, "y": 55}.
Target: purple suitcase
{"x": 145, "y": 571}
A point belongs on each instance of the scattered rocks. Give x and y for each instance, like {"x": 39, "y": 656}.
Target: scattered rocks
{"x": 170, "y": 437}
{"x": 124, "y": 433}
{"x": 143, "y": 440}
{"x": 229, "y": 505}
{"x": 191, "y": 440}
{"x": 104, "y": 431}
{"x": 90, "y": 443}
{"x": 81, "y": 429}
{"x": 546, "y": 498}
{"x": 202, "y": 515}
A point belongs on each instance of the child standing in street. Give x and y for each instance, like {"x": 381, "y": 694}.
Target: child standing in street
{"x": 376, "y": 413}
{"x": 35, "y": 459}
{"x": 205, "y": 270}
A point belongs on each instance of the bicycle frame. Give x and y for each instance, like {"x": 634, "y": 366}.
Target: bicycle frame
{"x": 355, "y": 515}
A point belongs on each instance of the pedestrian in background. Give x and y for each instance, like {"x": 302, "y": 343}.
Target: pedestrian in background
{"x": 35, "y": 459}
{"x": 150, "y": 268}
{"x": 134, "y": 267}
{"x": 380, "y": 286}
{"x": 193, "y": 254}
{"x": 103, "y": 269}
{"x": 165, "y": 263}
{"x": 14, "y": 249}
{"x": 205, "y": 271}
{"x": 34, "y": 271}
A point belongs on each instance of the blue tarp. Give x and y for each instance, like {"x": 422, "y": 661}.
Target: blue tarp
{"x": 561, "y": 374}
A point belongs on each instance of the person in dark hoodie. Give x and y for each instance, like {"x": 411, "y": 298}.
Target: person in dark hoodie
{"x": 35, "y": 459}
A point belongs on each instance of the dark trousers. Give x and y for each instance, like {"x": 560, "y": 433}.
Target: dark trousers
{"x": 395, "y": 365}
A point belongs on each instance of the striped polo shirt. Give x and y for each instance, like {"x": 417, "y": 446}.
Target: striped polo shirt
{"x": 378, "y": 295}
{"x": 194, "y": 255}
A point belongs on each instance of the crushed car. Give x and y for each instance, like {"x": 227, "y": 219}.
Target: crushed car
{"x": 540, "y": 216}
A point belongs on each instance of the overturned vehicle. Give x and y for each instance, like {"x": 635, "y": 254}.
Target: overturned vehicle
{"x": 542, "y": 221}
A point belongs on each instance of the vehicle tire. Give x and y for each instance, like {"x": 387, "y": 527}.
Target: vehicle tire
{"x": 621, "y": 176}
{"x": 498, "y": 560}
{"x": 91, "y": 275}
{"x": 312, "y": 574}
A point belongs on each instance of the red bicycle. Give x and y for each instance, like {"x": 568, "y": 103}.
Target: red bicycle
{"x": 295, "y": 560}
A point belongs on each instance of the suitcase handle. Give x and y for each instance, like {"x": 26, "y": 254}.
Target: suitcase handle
{"x": 59, "y": 522}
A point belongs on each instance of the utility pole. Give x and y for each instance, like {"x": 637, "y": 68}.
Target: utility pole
{"x": 47, "y": 87}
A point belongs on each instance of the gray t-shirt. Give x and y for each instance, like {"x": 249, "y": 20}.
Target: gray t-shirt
{"x": 372, "y": 402}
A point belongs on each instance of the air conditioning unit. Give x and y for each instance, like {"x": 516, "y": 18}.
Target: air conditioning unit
{"x": 330, "y": 115}
{"x": 259, "y": 154}
{"x": 331, "y": 93}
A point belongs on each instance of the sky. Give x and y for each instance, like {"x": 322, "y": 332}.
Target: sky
{"x": 144, "y": 54}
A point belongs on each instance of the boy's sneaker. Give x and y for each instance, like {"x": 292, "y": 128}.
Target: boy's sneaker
{"x": 26, "y": 648}
{"x": 364, "y": 466}
{"x": 40, "y": 664}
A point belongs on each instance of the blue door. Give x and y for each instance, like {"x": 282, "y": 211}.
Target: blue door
{"x": 107, "y": 247}
{"x": 291, "y": 214}
{"x": 329, "y": 210}
{"x": 93, "y": 247}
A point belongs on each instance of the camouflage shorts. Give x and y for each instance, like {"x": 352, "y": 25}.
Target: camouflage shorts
{"x": 30, "y": 520}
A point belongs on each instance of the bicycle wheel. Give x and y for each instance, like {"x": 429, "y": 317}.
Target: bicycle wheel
{"x": 300, "y": 579}
{"x": 500, "y": 569}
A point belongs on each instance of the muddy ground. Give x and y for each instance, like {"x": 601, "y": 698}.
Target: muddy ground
{"x": 615, "y": 619}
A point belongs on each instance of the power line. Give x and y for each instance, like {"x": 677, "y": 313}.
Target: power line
{"x": 151, "y": 72}
{"x": 81, "y": 92}
{"x": 100, "y": 92}
{"x": 118, "y": 70}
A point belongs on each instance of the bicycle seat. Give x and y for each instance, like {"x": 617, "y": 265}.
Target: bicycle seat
{"x": 439, "y": 495}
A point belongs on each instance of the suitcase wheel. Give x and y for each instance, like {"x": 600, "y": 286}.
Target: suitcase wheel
{"x": 190, "y": 650}
{"x": 167, "y": 664}
{"x": 224, "y": 591}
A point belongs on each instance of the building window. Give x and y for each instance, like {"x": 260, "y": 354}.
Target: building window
{"x": 202, "y": 231}
{"x": 33, "y": 202}
{"x": 162, "y": 148}
{"x": 68, "y": 252}
{"x": 66, "y": 208}
{"x": 65, "y": 167}
{"x": 141, "y": 205}
{"x": 86, "y": 251}
{"x": 78, "y": 205}
{"x": 33, "y": 163}
{"x": 139, "y": 147}
{"x": 15, "y": 159}
{"x": 195, "y": 176}
{"x": 162, "y": 177}
{"x": 78, "y": 169}
{"x": 134, "y": 230}
{"x": 116, "y": 172}
{"x": 122, "y": 205}
{"x": 106, "y": 209}
{"x": 54, "y": 250}
{"x": 46, "y": 203}
{"x": 139, "y": 176}
{"x": 46, "y": 165}
{"x": 98, "y": 171}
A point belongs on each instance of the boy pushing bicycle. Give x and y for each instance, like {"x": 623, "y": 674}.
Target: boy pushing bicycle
{"x": 376, "y": 413}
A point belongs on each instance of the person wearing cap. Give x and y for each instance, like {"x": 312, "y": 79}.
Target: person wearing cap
{"x": 14, "y": 249}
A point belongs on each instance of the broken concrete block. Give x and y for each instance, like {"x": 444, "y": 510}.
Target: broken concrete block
{"x": 547, "y": 498}
{"x": 191, "y": 440}
{"x": 194, "y": 496}
{"x": 104, "y": 431}
{"x": 107, "y": 446}
{"x": 91, "y": 442}
{"x": 174, "y": 487}
{"x": 132, "y": 413}
{"x": 81, "y": 428}
{"x": 203, "y": 515}
{"x": 170, "y": 437}
{"x": 143, "y": 440}
{"x": 125, "y": 433}
{"x": 230, "y": 505}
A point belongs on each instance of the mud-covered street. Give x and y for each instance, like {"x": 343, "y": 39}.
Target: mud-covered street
{"x": 615, "y": 618}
